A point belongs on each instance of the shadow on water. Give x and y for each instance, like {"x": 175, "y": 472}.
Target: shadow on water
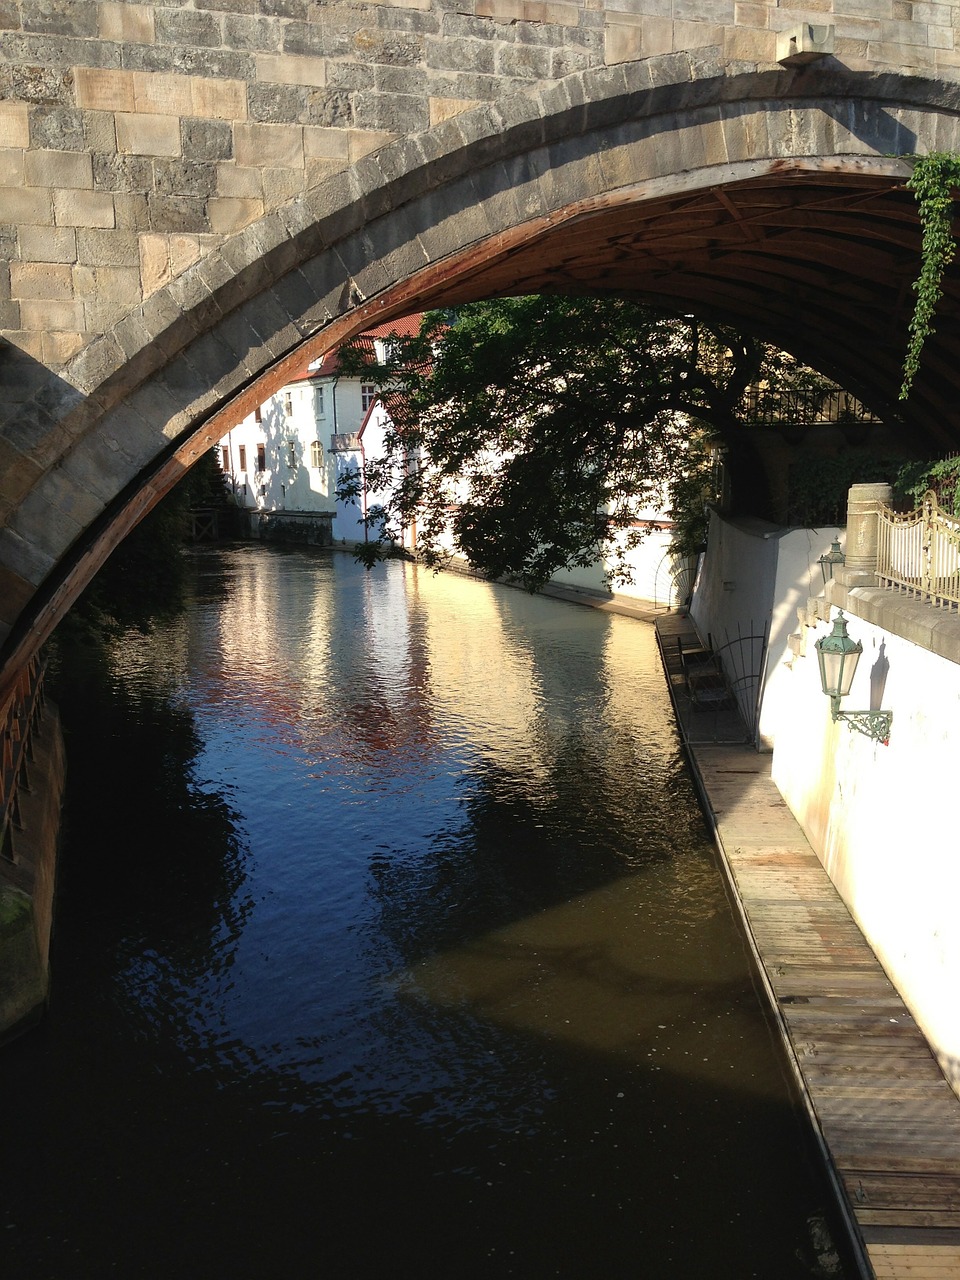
{"x": 540, "y": 1076}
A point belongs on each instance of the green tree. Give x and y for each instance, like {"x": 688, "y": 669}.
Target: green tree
{"x": 537, "y": 429}
{"x": 144, "y": 578}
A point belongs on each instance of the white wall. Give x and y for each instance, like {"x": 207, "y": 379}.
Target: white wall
{"x": 753, "y": 578}
{"x": 657, "y": 577}
{"x": 881, "y": 817}
{"x": 290, "y": 480}
{"x": 297, "y": 477}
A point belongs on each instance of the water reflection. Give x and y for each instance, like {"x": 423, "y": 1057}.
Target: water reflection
{"x": 391, "y": 938}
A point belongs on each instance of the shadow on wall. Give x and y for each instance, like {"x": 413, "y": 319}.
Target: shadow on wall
{"x": 878, "y": 677}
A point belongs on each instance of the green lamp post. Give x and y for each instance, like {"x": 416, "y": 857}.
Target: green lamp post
{"x": 838, "y": 656}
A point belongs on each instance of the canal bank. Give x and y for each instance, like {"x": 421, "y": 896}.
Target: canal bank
{"x": 887, "y": 1120}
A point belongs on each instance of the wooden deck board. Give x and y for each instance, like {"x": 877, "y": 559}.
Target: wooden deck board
{"x": 888, "y": 1121}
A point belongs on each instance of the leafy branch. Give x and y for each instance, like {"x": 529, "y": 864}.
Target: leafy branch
{"x": 933, "y": 181}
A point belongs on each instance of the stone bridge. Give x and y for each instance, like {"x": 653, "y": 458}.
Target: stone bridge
{"x": 196, "y": 197}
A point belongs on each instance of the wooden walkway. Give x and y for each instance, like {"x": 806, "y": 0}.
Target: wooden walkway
{"x": 887, "y": 1121}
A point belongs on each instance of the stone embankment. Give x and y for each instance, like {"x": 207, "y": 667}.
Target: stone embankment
{"x": 27, "y": 879}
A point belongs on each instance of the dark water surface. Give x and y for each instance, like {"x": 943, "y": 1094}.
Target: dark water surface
{"x": 390, "y": 942}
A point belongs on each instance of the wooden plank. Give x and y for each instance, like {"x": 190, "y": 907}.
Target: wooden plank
{"x": 888, "y": 1119}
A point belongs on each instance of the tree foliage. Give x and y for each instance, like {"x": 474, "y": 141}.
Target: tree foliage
{"x": 536, "y": 430}
{"x": 934, "y": 179}
{"x": 144, "y": 578}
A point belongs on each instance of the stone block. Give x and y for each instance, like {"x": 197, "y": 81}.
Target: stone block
{"x": 445, "y": 108}
{"x": 273, "y": 145}
{"x": 188, "y": 27}
{"x": 148, "y": 135}
{"x": 751, "y": 13}
{"x": 122, "y": 173}
{"x": 276, "y": 104}
{"x": 14, "y": 124}
{"x": 326, "y": 144}
{"x": 274, "y": 331}
{"x": 155, "y": 268}
{"x": 113, "y": 285}
{"x": 206, "y": 140}
{"x": 70, "y": 169}
{"x": 132, "y": 212}
{"x": 279, "y": 69}
{"x": 57, "y": 128}
{"x": 224, "y": 99}
{"x": 185, "y": 250}
{"x": 43, "y": 314}
{"x": 461, "y": 56}
{"x": 103, "y": 89}
{"x": 177, "y": 213}
{"x": 58, "y": 348}
{"x": 24, "y": 560}
{"x": 280, "y": 185}
{"x": 163, "y": 94}
{"x": 41, "y": 280}
{"x": 239, "y": 182}
{"x": 83, "y": 209}
{"x": 256, "y": 34}
{"x": 48, "y": 244}
{"x": 77, "y": 18}
{"x": 99, "y": 132}
{"x": 230, "y": 214}
{"x": 391, "y": 113}
{"x": 219, "y": 368}
{"x": 183, "y": 177}
{"x": 750, "y": 46}
{"x": 11, "y": 167}
{"x": 364, "y": 142}
{"x": 127, "y": 23}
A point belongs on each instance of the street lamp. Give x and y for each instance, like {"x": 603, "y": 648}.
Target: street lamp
{"x": 838, "y": 656}
{"x": 830, "y": 560}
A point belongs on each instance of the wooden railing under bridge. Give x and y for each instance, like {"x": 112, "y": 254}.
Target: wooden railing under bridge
{"x": 919, "y": 553}
{"x": 18, "y": 720}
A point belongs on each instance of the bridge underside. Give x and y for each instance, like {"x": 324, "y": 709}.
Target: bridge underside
{"x": 777, "y": 206}
{"x": 820, "y": 263}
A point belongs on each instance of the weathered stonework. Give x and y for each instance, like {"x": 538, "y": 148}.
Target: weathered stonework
{"x": 187, "y": 194}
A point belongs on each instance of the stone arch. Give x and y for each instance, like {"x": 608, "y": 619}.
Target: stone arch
{"x": 506, "y": 198}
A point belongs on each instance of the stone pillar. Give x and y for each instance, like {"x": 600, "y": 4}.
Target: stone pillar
{"x": 863, "y": 502}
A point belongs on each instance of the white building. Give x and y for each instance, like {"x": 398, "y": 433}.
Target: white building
{"x": 283, "y": 461}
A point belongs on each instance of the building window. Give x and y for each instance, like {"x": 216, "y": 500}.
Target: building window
{"x": 225, "y": 457}
{"x": 368, "y": 393}
{"x": 288, "y": 404}
{"x": 242, "y": 451}
{"x": 258, "y": 414}
{"x": 316, "y": 455}
{"x": 318, "y": 402}
{"x": 291, "y": 453}
{"x": 261, "y": 457}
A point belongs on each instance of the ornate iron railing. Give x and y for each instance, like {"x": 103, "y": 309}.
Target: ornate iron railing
{"x": 919, "y": 553}
{"x": 17, "y": 722}
{"x": 807, "y": 407}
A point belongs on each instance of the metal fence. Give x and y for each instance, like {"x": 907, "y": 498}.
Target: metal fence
{"x": 919, "y": 553}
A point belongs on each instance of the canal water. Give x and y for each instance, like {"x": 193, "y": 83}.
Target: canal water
{"x": 391, "y": 942}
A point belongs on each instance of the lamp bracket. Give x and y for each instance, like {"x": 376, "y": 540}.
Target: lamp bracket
{"x": 875, "y": 724}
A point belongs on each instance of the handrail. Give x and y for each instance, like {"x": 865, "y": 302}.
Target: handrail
{"x": 918, "y": 552}
{"x": 17, "y": 722}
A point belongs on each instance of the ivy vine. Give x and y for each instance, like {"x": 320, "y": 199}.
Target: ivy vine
{"x": 934, "y": 179}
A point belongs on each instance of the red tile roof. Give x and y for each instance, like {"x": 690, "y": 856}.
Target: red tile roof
{"x": 329, "y": 365}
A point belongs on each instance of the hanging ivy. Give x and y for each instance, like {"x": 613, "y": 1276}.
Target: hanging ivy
{"x": 934, "y": 179}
